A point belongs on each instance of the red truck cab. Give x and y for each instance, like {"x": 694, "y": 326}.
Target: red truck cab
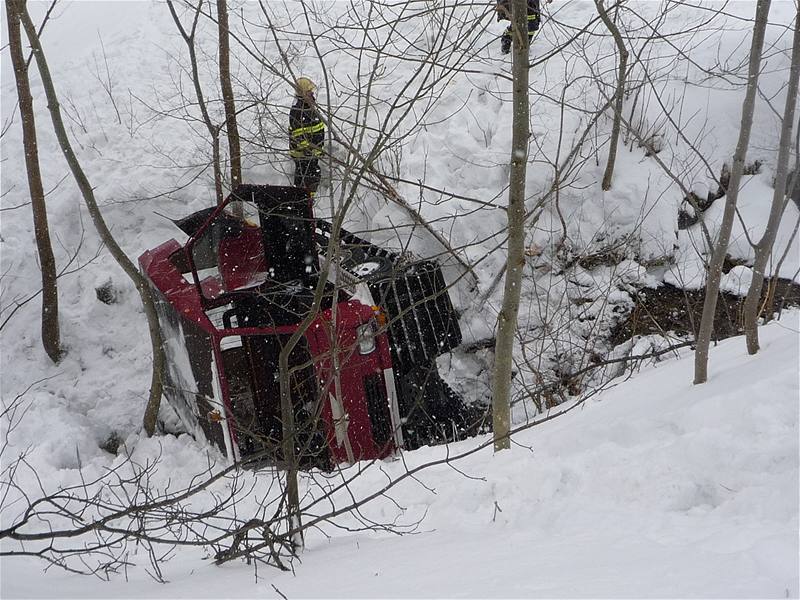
{"x": 230, "y": 299}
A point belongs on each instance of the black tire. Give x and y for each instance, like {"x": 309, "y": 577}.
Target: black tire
{"x": 370, "y": 268}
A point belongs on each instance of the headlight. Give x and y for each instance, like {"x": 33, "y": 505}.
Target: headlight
{"x": 366, "y": 337}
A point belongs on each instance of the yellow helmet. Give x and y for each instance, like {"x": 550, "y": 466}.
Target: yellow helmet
{"x": 304, "y": 85}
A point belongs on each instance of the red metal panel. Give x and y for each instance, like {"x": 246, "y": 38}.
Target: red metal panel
{"x": 161, "y": 267}
{"x": 353, "y": 367}
{"x": 241, "y": 259}
{"x": 169, "y": 280}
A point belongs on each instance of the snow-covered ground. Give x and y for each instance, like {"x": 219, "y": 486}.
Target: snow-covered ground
{"x": 655, "y": 489}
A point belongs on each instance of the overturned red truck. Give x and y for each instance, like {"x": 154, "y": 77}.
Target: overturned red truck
{"x": 363, "y": 376}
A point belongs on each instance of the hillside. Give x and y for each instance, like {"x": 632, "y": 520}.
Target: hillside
{"x": 652, "y": 488}
{"x": 655, "y": 488}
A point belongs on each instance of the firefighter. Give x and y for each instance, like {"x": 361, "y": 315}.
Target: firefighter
{"x": 503, "y": 9}
{"x": 306, "y": 136}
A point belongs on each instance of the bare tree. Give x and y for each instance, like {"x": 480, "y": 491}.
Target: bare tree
{"x": 51, "y": 336}
{"x": 154, "y": 400}
{"x": 763, "y": 248}
{"x": 235, "y": 154}
{"x": 364, "y": 119}
{"x": 618, "y": 94}
{"x": 515, "y": 261}
{"x": 213, "y": 130}
{"x": 714, "y": 273}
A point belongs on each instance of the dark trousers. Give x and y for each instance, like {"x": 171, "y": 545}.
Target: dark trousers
{"x": 307, "y": 173}
{"x": 505, "y": 39}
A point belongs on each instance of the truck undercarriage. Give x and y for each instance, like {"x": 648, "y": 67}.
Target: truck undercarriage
{"x": 360, "y": 328}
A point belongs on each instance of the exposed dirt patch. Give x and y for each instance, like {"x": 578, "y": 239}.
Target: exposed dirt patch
{"x": 668, "y": 308}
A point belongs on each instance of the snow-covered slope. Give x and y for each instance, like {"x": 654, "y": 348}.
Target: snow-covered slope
{"x": 146, "y": 154}
{"x": 658, "y": 488}
{"x": 655, "y": 488}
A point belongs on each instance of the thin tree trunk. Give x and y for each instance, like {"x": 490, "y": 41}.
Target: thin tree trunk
{"x": 51, "y": 335}
{"x": 721, "y": 248}
{"x": 227, "y": 94}
{"x": 618, "y": 94}
{"x": 289, "y": 432}
{"x": 507, "y": 319}
{"x": 763, "y": 249}
{"x": 154, "y": 401}
{"x": 213, "y": 131}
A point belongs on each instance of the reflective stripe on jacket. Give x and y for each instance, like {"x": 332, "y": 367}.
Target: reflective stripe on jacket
{"x": 306, "y": 131}
{"x": 503, "y": 9}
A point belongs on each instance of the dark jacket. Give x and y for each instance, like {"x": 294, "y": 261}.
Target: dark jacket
{"x": 503, "y": 9}
{"x": 306, "y": 130}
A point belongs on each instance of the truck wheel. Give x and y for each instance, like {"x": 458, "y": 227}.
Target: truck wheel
{"x": 372, "y": 267}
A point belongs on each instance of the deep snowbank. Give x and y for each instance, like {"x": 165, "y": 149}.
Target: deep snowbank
{"x": 146, "y": 155}
{"x": 657, "y": 488}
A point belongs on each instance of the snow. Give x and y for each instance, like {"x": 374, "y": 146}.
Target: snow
{"x": 654, "y": 488}
{"x": 737, "y": 280}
